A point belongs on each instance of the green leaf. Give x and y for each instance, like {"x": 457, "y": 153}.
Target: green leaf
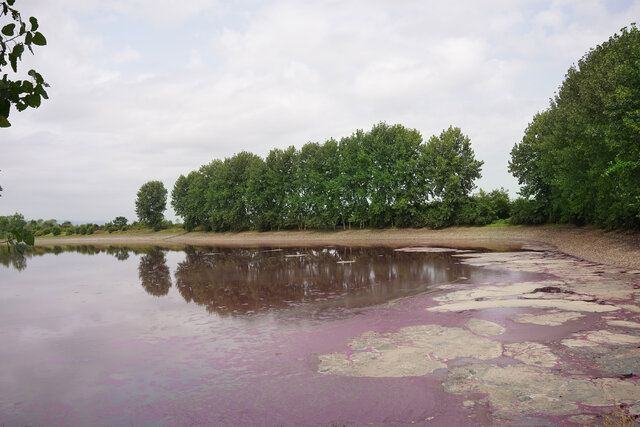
{"x": 4, "y": 123}
{"x": 11, "y": 2}
{"x": 18, "y": 50}
{"x": 28, "y": 238}
{"x": 14, "y": 62}
{"x": 38, "y": 39}
{"x": 32, "y": 101}
{"x": 5, "y": 107}
{"x": 34, "y": 23}
{"x": 8, "y": 29}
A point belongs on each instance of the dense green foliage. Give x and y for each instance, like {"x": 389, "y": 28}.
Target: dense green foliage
{"x": 52, "y": 227}
{"x": 386, "y": 177}
{"x": 151, "y": 203}
{"x": 15, "y": 36}
{"x": 579, "y": 160}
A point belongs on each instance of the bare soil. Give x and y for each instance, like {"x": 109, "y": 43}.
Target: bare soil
{"x": 605, "y": 247}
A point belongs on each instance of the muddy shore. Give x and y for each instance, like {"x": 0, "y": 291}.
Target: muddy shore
{"x": 613, "y": 248}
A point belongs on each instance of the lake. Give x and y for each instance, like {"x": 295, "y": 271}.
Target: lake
{"x": 211, "y": 336}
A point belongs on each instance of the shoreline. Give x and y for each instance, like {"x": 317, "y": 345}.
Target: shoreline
{"x": 617, "y": 248}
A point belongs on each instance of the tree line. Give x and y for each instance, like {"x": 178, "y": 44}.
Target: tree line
{"x": 579, "y": 160}
{"x": 388, "y": 176}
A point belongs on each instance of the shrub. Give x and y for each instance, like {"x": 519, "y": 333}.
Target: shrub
{"x": 528, "y": 211}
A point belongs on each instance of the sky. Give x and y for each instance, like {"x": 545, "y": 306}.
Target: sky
{"x": 147, "y": 90}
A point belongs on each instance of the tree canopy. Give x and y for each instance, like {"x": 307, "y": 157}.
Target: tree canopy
{"x": 151, "y": 203}
{"x": 579, "y": 160}
{"x": 385, "y": 177}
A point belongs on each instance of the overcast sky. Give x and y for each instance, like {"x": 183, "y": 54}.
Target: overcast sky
{"x": 150, "y": 89}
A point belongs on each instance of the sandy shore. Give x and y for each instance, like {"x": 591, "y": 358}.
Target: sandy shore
{"x": 613, "y": 248}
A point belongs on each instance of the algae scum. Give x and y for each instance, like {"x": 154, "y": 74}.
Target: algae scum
{"x": 575, "y": 374}
{"x": 316, "y": 336}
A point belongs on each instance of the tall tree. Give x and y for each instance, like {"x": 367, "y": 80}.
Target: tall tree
{"x": 452, "y": 168}
{"x": 151, "y": 203}
{"x": 580, "y": 159}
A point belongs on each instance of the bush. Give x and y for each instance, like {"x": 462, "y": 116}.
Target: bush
{"x": 528, "y": 211}
{"x": 56, "y": 230}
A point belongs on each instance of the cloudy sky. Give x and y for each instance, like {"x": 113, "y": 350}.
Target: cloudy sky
{"x": 151, "y": 89}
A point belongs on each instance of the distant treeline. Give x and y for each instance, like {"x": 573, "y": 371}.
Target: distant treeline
{"x": 52, "y": 227}
{"x": 579, "y": 160}
{"x": 386, "y": 177}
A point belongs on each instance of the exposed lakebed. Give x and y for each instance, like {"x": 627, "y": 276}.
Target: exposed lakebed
{"x": 315, "y": 336}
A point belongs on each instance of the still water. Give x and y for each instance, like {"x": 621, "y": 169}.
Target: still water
{"x": 206, "y": 336}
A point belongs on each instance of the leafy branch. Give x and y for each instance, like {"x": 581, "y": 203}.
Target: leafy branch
{"x": 14, "y": 37}
{"x": 19, "y": 239}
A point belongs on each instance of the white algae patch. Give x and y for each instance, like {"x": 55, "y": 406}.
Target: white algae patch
{"x": 519, "y": 390}
{"x": 397, "y": 362}
{"x": 429, "y": 250}
{"x": 489, "y": 292}
{"x": 524, "y": 303}
{"x": 484, "y": 327}
{"x": 412, "y": 351}
{"x": 531, "y": 353}
{"x": 593, "y": 338}
{"x": 624, "y": 323}
{"x": 541, "y": 383}
{"x": 612, "y": 338}
{"x": 549, "y": 319}
{"x": 577, "y": 286}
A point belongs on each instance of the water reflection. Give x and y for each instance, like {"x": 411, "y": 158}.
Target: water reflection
{"x": 12, "y": 259}
{"x": 238, "y": 281}
{"x": 154, "y": 273}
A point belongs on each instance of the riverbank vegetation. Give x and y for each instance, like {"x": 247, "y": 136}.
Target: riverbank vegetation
{"x": 386, "y": 177}
{"x": 54, "y": 228}
{"x": 579, "y": 160}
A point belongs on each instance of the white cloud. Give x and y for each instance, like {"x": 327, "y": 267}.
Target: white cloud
{"x": 127, "y": 54}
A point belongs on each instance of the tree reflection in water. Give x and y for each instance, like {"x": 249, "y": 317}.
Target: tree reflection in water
{"x": 237, "y": 281}
{"x": 12, "y": 258}
{"x": 233, "y": 281}
{"x": 154, "y": 273}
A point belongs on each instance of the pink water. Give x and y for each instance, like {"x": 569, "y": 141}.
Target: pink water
{"x": 215, "y": 337}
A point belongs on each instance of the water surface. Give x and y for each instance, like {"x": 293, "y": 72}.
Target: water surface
{"x": 205, "y": 336}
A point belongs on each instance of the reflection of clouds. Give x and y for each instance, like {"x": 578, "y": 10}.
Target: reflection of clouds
{"x": 236, "y": 281}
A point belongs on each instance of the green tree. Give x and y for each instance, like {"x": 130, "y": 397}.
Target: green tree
{"x": 151, "y": 203}
{"x": 16, "y": 35}
{"x": 120, "y": 222}
{"x": 451, "y": 168}
{"x": 580, "y": 159}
